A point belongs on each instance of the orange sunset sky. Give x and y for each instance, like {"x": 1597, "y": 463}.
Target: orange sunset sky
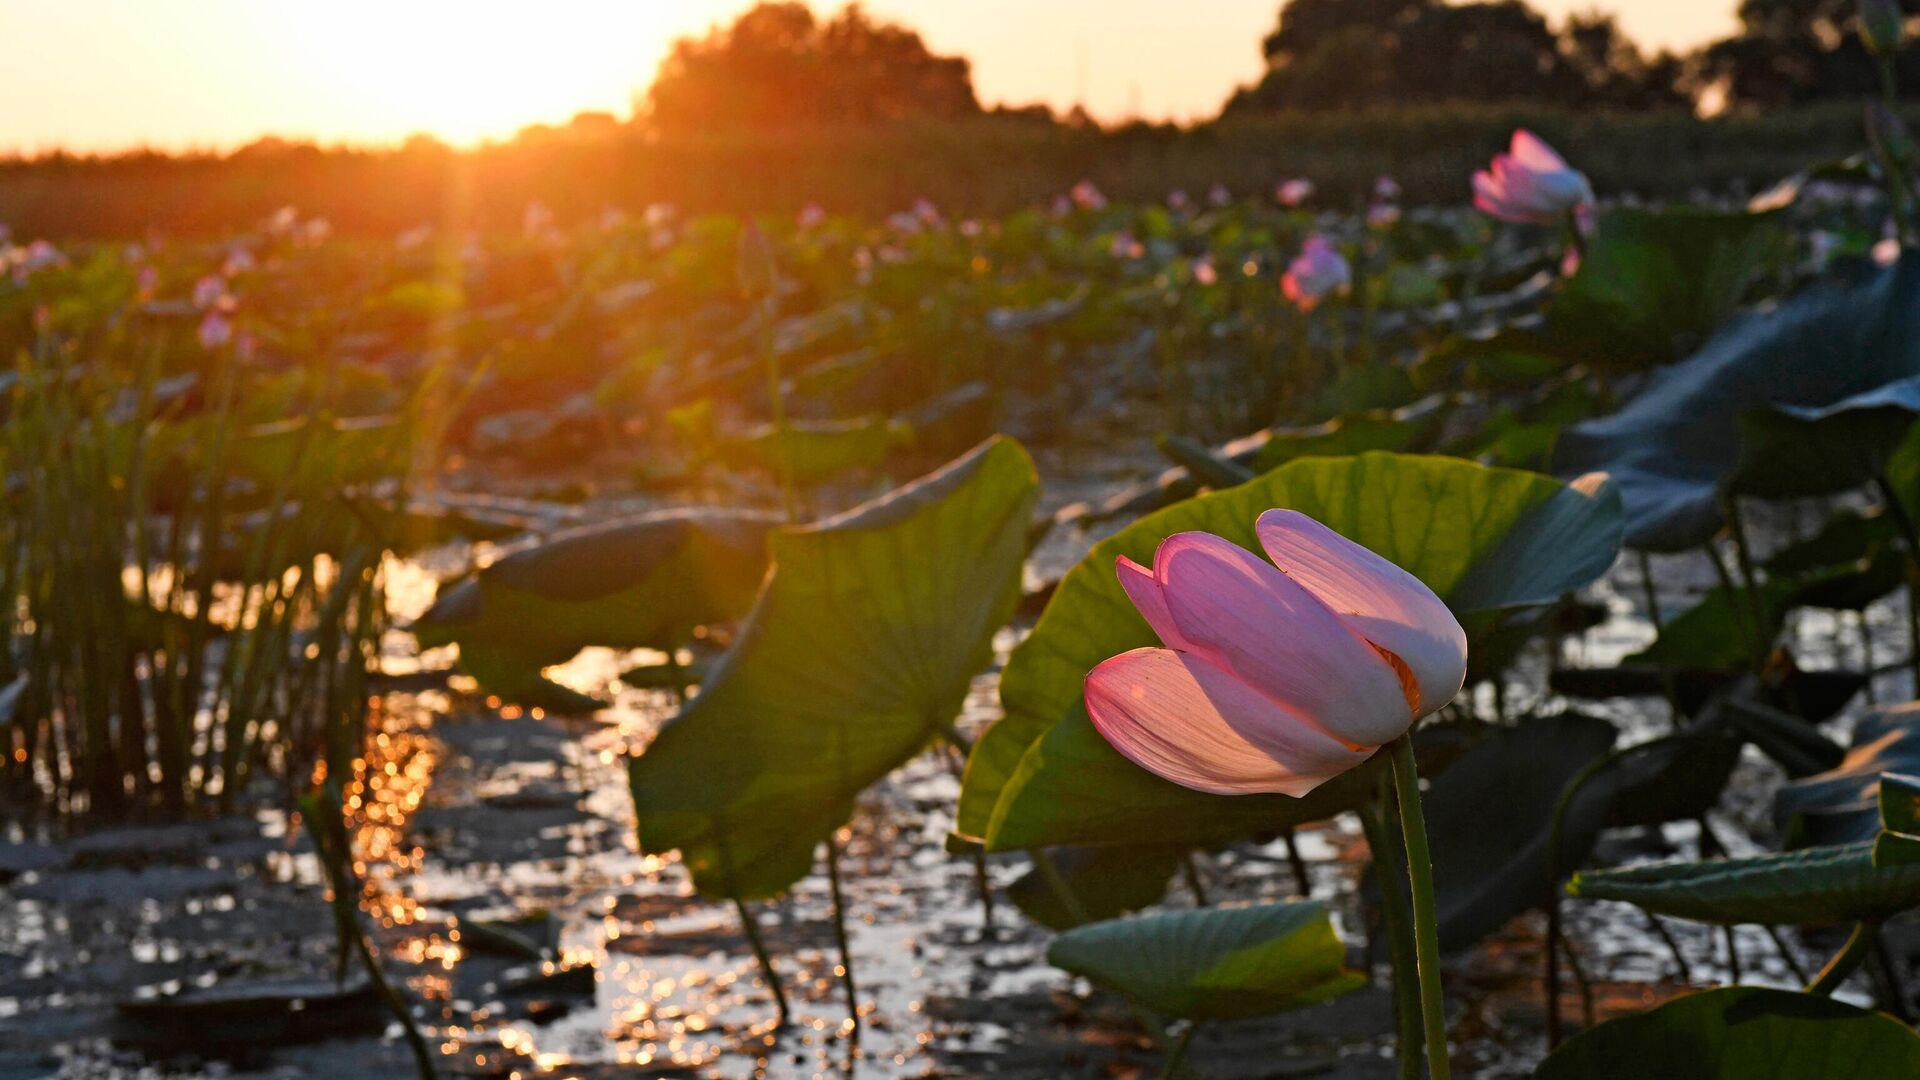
{"x": 114, "y": 74}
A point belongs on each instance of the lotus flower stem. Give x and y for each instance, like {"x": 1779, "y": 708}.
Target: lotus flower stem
{"x": 1752, "y": 634}
{"x": 1302, "y": 881}
{"x": 1190, "y": 871}
{"x": 1743, "y": 556}
{"x": 1413, "y": 828}
{"x": 1393, "y": 911}
{"x": 1846, "y": 961}
{"x": 1176, "y": 1060}
{"x": 1667, "y": 684}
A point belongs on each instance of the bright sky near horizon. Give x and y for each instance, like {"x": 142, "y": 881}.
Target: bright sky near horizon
{"x": 114, "y": 74}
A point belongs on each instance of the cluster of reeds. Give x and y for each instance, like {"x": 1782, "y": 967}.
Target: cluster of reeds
{"x": 191, "y": 553}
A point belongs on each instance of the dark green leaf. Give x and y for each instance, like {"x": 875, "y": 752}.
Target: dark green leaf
{"x": 1679, "y": 441}
{"x": 1741, "y": 1033}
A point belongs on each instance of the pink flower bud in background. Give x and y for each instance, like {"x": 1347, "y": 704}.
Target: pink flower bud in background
{"x": 1530, "y": 184}
{"x": 209, "y": 292}
{"x": 1295, "y": 192}
{"x": 216, "y": 330}
{"x": 1087, "y": 197}
{"x": 1319, "y": 271}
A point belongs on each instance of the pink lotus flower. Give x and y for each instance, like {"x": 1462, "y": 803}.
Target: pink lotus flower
{"x": 216, "y": 330}
{"x": 1530, "y": 184}
{"x": 1293, "y": 192}
{"x": 1276, "y": 677}
{"x": 1317, "y": 273}
{"x": 1088, "y": 197}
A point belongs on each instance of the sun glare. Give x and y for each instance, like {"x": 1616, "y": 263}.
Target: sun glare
{"x": 472, "y": 72}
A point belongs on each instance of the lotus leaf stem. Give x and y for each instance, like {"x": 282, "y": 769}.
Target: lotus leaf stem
{"x": 1846, "y": 961}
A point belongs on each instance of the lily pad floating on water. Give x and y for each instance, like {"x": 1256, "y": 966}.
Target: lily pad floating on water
{"x": 632, "y": 583}
{"x": 1836, "y": 363}
{"x": 858, "y": 652}
{"x": 1219, "y": 963}
{"x": 1741, "y": 1033}
{"x": 1487, "y": 540}
{"x": 241, "y": 1015}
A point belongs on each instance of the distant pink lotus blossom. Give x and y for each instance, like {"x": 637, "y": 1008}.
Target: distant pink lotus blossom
{"x": 216, "y": 330}
{"x": 1530, "y": 184}
{"x": 209, "y": 292}
{"x": 1386, "y": 189}
{"x": 1295, "y": 192}
{"x": 1319, "y": 271}
{"x": 1205, "y": 272}
{"x": 1275, "y": 676}
{"x": 811, "y": 217}
{"x": 1124, "y": 246}
{"x": 928, "y": 213}
{"x": 1383, "y": 215}
{"x": 1177, "y": 199}
{"x": 1087, "y": 197}
{"x": 1218, "y": 195}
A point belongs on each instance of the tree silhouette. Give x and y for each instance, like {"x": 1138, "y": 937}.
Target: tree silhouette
{"x": 1791, "y": 52}
{"x": 1327, "y": 54}
{"x": 778, "y": 66}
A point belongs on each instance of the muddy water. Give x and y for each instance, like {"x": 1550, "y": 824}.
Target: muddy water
{"x": 471, "y": 812}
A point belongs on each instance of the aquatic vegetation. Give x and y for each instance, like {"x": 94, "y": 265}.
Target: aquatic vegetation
{"x": 782, "y": 469}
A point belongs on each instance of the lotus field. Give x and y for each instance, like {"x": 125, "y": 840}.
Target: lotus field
{"x": 1227, "y": 636}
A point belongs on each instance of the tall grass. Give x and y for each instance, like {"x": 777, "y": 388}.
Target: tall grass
{"x": 196, "y": 595}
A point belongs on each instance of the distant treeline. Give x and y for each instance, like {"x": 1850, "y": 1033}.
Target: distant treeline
{"x": 980, "y": 166}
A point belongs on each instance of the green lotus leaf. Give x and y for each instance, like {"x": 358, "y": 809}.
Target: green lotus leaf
{"x": 1741, "y": 1033}
{"x": 1217, "y": 963}
{"x": 1812, "y": 886}
{"x": 859, "y": 650}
